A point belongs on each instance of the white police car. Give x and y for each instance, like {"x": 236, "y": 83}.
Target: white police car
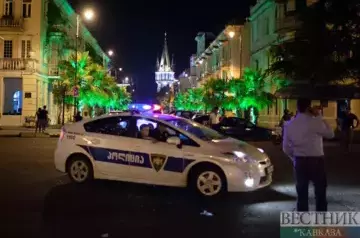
{"x": 185, "y": 154}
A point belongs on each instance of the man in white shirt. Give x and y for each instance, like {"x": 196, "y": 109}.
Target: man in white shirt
{"x": 214, "y": 117}
{"x": 303, "y": 143}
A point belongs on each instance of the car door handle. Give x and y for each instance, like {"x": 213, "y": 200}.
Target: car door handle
{"x": 189, "y": 154}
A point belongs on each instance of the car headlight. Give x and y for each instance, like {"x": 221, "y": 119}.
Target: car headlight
{"x": 241, "y": 156}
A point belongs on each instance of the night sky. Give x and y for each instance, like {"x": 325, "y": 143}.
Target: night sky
{"x": 135, "y": 31}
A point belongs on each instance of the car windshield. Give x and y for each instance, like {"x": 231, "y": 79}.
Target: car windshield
{"x": 201, "y": 132}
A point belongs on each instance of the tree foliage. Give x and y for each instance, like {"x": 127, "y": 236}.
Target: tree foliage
{"x": 235, "y": 94}
{"x": 325, "y": 47}
{"x": 96, "y": 87}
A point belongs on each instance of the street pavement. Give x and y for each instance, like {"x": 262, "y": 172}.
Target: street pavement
{"x": 38, "y": 201}
{"x": 27, "y": 132}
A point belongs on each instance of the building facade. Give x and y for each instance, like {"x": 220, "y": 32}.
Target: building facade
{"x": 224, "y": 57}
{"x": 164, "y": 75}
{"x": 29, "y": 58}
{"x": 263, "y": 20}
{"x": 274, "y": 21}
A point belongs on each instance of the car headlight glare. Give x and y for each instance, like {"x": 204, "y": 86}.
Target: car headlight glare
{"x": 261, "y": 150}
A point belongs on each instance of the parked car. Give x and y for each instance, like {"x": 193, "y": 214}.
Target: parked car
{"x": 184, "y": 114}
{"x": 243, "y": 129}
{"x": 202, "y": 119}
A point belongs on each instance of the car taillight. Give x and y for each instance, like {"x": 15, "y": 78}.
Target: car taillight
{"x": 62, "y": 133}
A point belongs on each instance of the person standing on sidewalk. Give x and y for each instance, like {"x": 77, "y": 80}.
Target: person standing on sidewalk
{"x": 349, "y": 123}
{"x": 214, "y": 117}
{"x": 303, "y": 143}
{"x": 38, "y": 120}
{"x": 43, "y": 119}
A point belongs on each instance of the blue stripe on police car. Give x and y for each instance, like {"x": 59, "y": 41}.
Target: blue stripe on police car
{"x": 173, "y": 164}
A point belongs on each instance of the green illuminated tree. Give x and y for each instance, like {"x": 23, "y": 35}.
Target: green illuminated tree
{"x": 195, "y": 97}
{"x": 254, "y": 89}
{"x": 214, "y": 93}
{"x": 96, "y": 88}
{"x": 180, "y": 101}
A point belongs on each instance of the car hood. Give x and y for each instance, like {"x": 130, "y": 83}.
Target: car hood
{"x": 229, "y": 145}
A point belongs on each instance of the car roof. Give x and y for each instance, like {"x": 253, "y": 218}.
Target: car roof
{"x": 163, "y": 117}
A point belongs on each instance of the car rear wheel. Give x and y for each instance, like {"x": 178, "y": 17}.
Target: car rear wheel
{"x": 208, "y": 181}
{"x": 80, "y": 170}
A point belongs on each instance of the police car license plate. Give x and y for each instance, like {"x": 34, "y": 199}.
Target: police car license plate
{"x": 270, "y": 169}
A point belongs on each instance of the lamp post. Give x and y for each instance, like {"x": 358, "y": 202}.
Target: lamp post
{"x": 89, "y": 15}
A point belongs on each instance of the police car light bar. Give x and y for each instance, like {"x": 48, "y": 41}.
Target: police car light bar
{"x": 156, "y": 107}
{"x": 146, "y": 107}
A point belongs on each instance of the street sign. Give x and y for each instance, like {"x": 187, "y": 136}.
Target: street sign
{"x": 75, "y": 91}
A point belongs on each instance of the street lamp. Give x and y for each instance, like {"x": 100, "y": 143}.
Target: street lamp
{"x": 89, "y": 15}
{"x": 110, "y": 53}
{"x": 231, "y": 34}
{"x": 120, "y": 69}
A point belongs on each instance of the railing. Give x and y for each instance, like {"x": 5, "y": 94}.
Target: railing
{"x": 53, "y": 71}
{"x": 11, "y": 23}
{"x": 16, "y": 64}
{"x": 225, "y": 63}
{"x": 287, "y": 23}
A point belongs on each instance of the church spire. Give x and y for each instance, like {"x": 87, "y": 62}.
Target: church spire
{"x": 165, "y": 63}
{"x": 157, "y": 63}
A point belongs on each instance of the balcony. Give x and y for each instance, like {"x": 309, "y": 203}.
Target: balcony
{"x": 10, "y": 64}
{"x": 10, "y": 24}
{"x": 225, "y": 63}
{"x": 54, "y": 70}
{"x": 287, "y": 24}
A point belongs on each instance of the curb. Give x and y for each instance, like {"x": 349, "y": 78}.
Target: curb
{"x": 28, "y": 135}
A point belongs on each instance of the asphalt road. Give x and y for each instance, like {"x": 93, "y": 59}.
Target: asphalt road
{"x": 38, "y": 201}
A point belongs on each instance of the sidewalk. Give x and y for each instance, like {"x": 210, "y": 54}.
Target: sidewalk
{"x": 27, "y": 132}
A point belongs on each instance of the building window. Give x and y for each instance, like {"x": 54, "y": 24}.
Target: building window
{"x": 258, "y": 29}
{"x": 256, "y": 65}
{"x": 290, "y": 6}
{"x": 26, "y": 8}
{"x": 8, "y": 8}
{"x": 267, "y": 26}
{"x": 17, "y": 102}
{"x": 25, "y": 49}
{"x": 276, "y": 107}
{"x": 8, "y": 46}
{"x": 285, "y": 104}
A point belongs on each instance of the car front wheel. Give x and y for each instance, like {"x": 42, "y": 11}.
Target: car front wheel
{"x": 209, "y": 181}
{"x": 80, "y": 170}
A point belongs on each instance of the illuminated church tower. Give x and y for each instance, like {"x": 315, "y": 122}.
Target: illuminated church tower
{"x": 164, "y": 76}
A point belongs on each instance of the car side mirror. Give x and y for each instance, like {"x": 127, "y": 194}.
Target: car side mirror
{"x": 174, "y": 140}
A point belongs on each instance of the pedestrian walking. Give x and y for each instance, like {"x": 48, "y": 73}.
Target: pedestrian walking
{"x": 44, "y": 119}
{"x": 78, "y": 117}
{"x": 285, "y": 118}
{"x": 38, "y": 120}
{"x": 348, "y": 123}
{"x": 303, "y": 143}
